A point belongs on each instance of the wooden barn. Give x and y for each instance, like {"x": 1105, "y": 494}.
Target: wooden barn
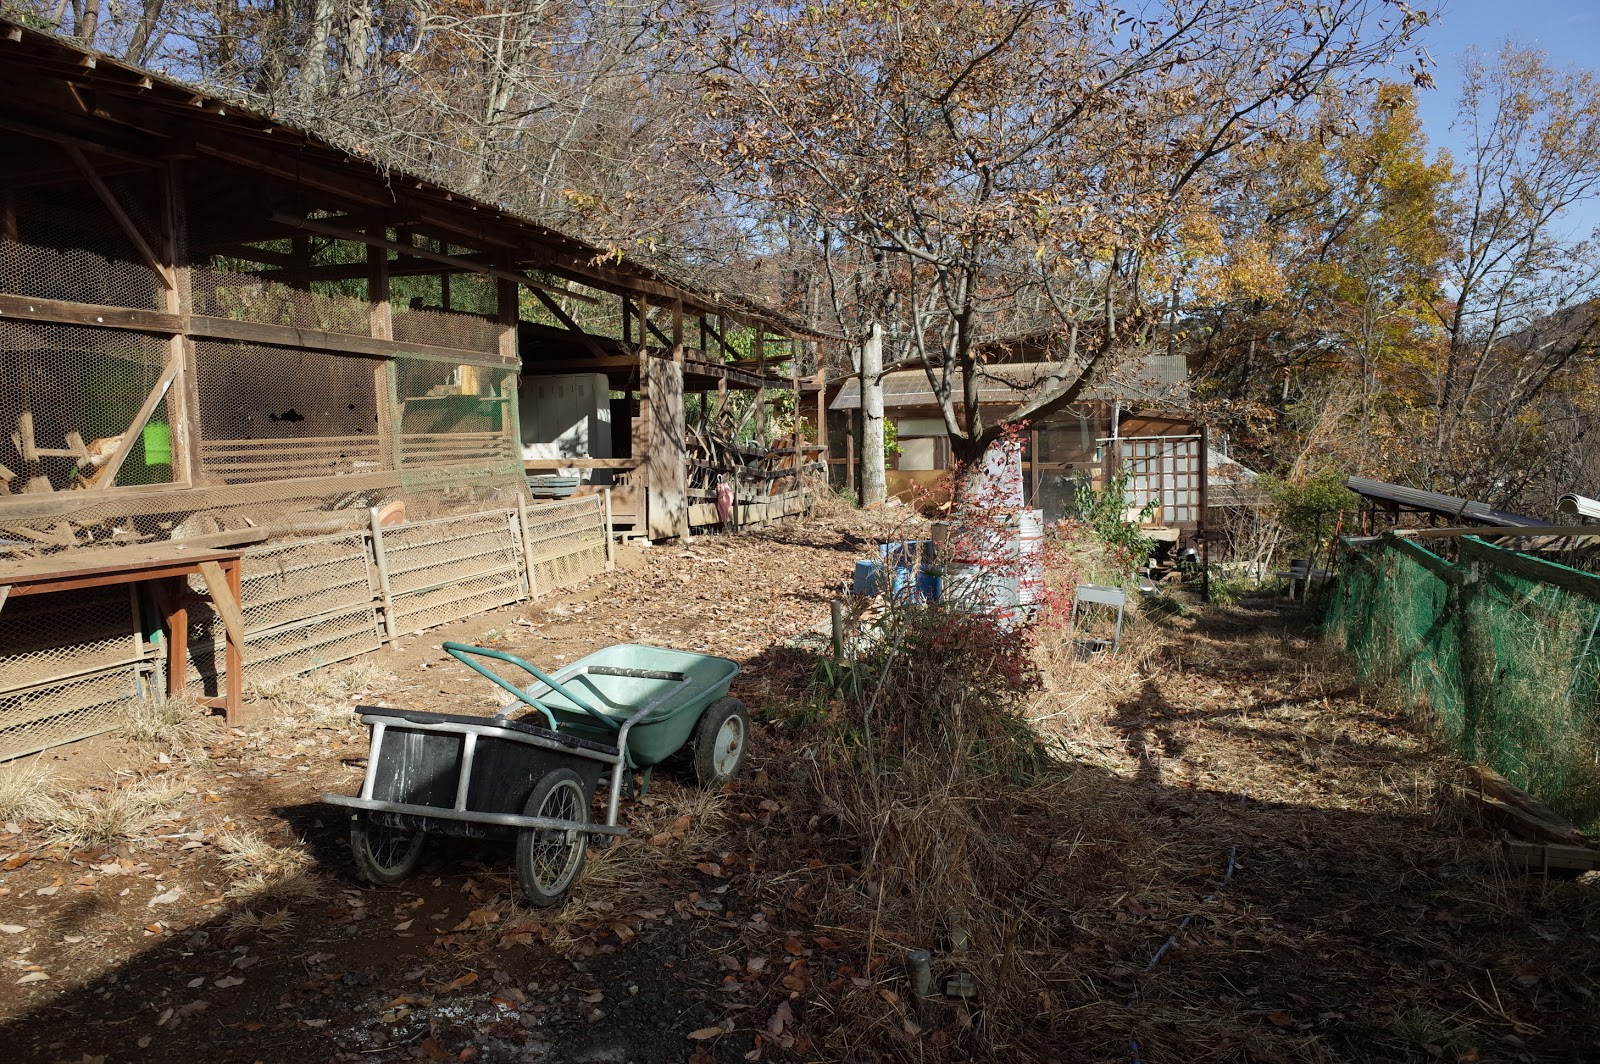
{"x": 1125, "y": 426}
{"x": 259, "y": 397}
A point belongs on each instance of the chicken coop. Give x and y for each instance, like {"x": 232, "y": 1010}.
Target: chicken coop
{"x": 259, "y": 397}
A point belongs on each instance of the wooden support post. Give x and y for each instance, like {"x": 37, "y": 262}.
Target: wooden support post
{"x": 183, "y": 409}
{"x": 822, "y": 407}
{"x": 677, "y": 331}
{"x": 794, "y": 391}
{"x": 1033, "y": 468}
{"x": 611, "y": 539}
{"x": 627, "y": 321}
{"x": 506, "y": 317}
{"x": 854, "y": 429}
{"x": 1203, "y": 523}
{"x": 380, "y": 311}
{"x": 836, "y": 609}
{"x": 527, "y": 546}
{"x": 444, "y": 290}
{"x": 385, "y": 595}
{"x": 226, "y": 585}
{"x": 761, "y": 389}
{"x": 174, "y": 594}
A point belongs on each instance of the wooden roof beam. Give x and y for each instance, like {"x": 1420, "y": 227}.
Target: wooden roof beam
{"x": 339, "y": 233}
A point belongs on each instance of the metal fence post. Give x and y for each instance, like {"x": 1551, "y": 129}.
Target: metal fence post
{"x": 390, "y": 627}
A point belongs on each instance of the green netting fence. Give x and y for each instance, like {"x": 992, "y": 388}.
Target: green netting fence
{"x": 1503, "y": 647}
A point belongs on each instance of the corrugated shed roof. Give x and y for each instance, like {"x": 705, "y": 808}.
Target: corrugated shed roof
{"x": 201, "y": 112}
{"x": 1579, "y": 507}
{"x": 1154, "y": 379}
{"x": 1444, "y": 505}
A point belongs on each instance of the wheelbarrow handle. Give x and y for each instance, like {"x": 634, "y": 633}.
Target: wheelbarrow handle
{"x": 464, "y": 652}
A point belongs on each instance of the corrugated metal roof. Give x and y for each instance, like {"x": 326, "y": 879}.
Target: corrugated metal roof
{"x": 1444, "y": 505}
{"x": 1578, "y": 506}
{"x": 1153, "y": 379}
{"x": 55, "y": 58}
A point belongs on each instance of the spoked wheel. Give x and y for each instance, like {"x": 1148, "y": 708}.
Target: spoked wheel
{"x": 384, "y": 855}
{"x": 719, "y": 741}
{"x": 549, "y": 859}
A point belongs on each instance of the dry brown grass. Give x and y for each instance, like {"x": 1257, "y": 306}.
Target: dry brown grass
{"x": 272, "y": 877}
{"x": 1224, "y": 733}
{"x": 173, "y": 725}
{"x": 322, "y": 699}
{"x": 24, "y": 784}
{"x": 94, "y": 818}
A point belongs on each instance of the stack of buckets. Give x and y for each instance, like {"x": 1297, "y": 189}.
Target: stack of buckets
{"x": 1001, "y": 572}
{"x": 905, "y": 565}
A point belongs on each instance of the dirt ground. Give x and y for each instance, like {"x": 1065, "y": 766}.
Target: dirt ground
{"x": 1322, "y": 893}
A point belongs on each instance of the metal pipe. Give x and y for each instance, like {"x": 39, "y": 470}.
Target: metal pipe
{"x": 510, "y": 820}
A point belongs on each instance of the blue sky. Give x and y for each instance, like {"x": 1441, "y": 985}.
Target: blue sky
{"x": 1568, "y": 30}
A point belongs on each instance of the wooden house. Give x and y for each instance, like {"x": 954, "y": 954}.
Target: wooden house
{"x": 1127, "y": 425}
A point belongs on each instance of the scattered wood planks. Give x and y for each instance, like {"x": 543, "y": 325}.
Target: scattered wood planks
{"x": 1546, "y": 839}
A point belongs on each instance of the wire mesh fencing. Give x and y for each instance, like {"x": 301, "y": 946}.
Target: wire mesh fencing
{"x": 566, "y": 541}
{"x": 1502, "y": 647}
{"x": 70, "y": 660}
{"x": 452, "y": 567}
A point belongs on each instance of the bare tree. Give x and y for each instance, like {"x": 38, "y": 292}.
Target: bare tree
{"x": 1025, "y": 164}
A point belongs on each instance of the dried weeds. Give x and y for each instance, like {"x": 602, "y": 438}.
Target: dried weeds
{"x": 95, "y": 818}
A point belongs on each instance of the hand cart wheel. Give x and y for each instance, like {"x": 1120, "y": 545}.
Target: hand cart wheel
{"x": 719, "y": 741}
{"x": 384, "y": 855}
{"x": 549, "y": 859}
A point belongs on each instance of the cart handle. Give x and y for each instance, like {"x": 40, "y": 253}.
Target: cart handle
{"x": 460, "y": 652}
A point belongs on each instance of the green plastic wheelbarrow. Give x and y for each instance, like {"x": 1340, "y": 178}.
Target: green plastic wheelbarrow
{"x": 534, "y": 778}
{"x": 649, "y": 701}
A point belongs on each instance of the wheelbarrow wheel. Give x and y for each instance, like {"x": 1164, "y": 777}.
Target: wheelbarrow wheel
{"x": 549, "y": 859}
{"x": 384, "y": 855}
{"x": 719, "y": 741}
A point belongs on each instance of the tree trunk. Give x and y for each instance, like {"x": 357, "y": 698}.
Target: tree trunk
{"x": 874, "y": 488}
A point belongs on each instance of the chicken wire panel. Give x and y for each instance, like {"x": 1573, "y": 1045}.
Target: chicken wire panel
{"x": 426, "y": 554}
{"x": 443, "y": 328}
{"x": 258, "y": 393}
{"x": 47, "y": 638}
{"x": 241, "y": 297}
{"x": 268, "y": 281}
{"x": 285, "y": 583}
{"x": 68, "y": 394}
{"x": 447, "y": 569}
{"x": 454, "y": 601}
{"x": 69, "y": 247}
{"x": 278, "y": 652}
{"x": 567, "y": 541}
{"x": 66, "y": 711}
{"x": 570, "y": 568}
{"x": 455, "y": 414}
